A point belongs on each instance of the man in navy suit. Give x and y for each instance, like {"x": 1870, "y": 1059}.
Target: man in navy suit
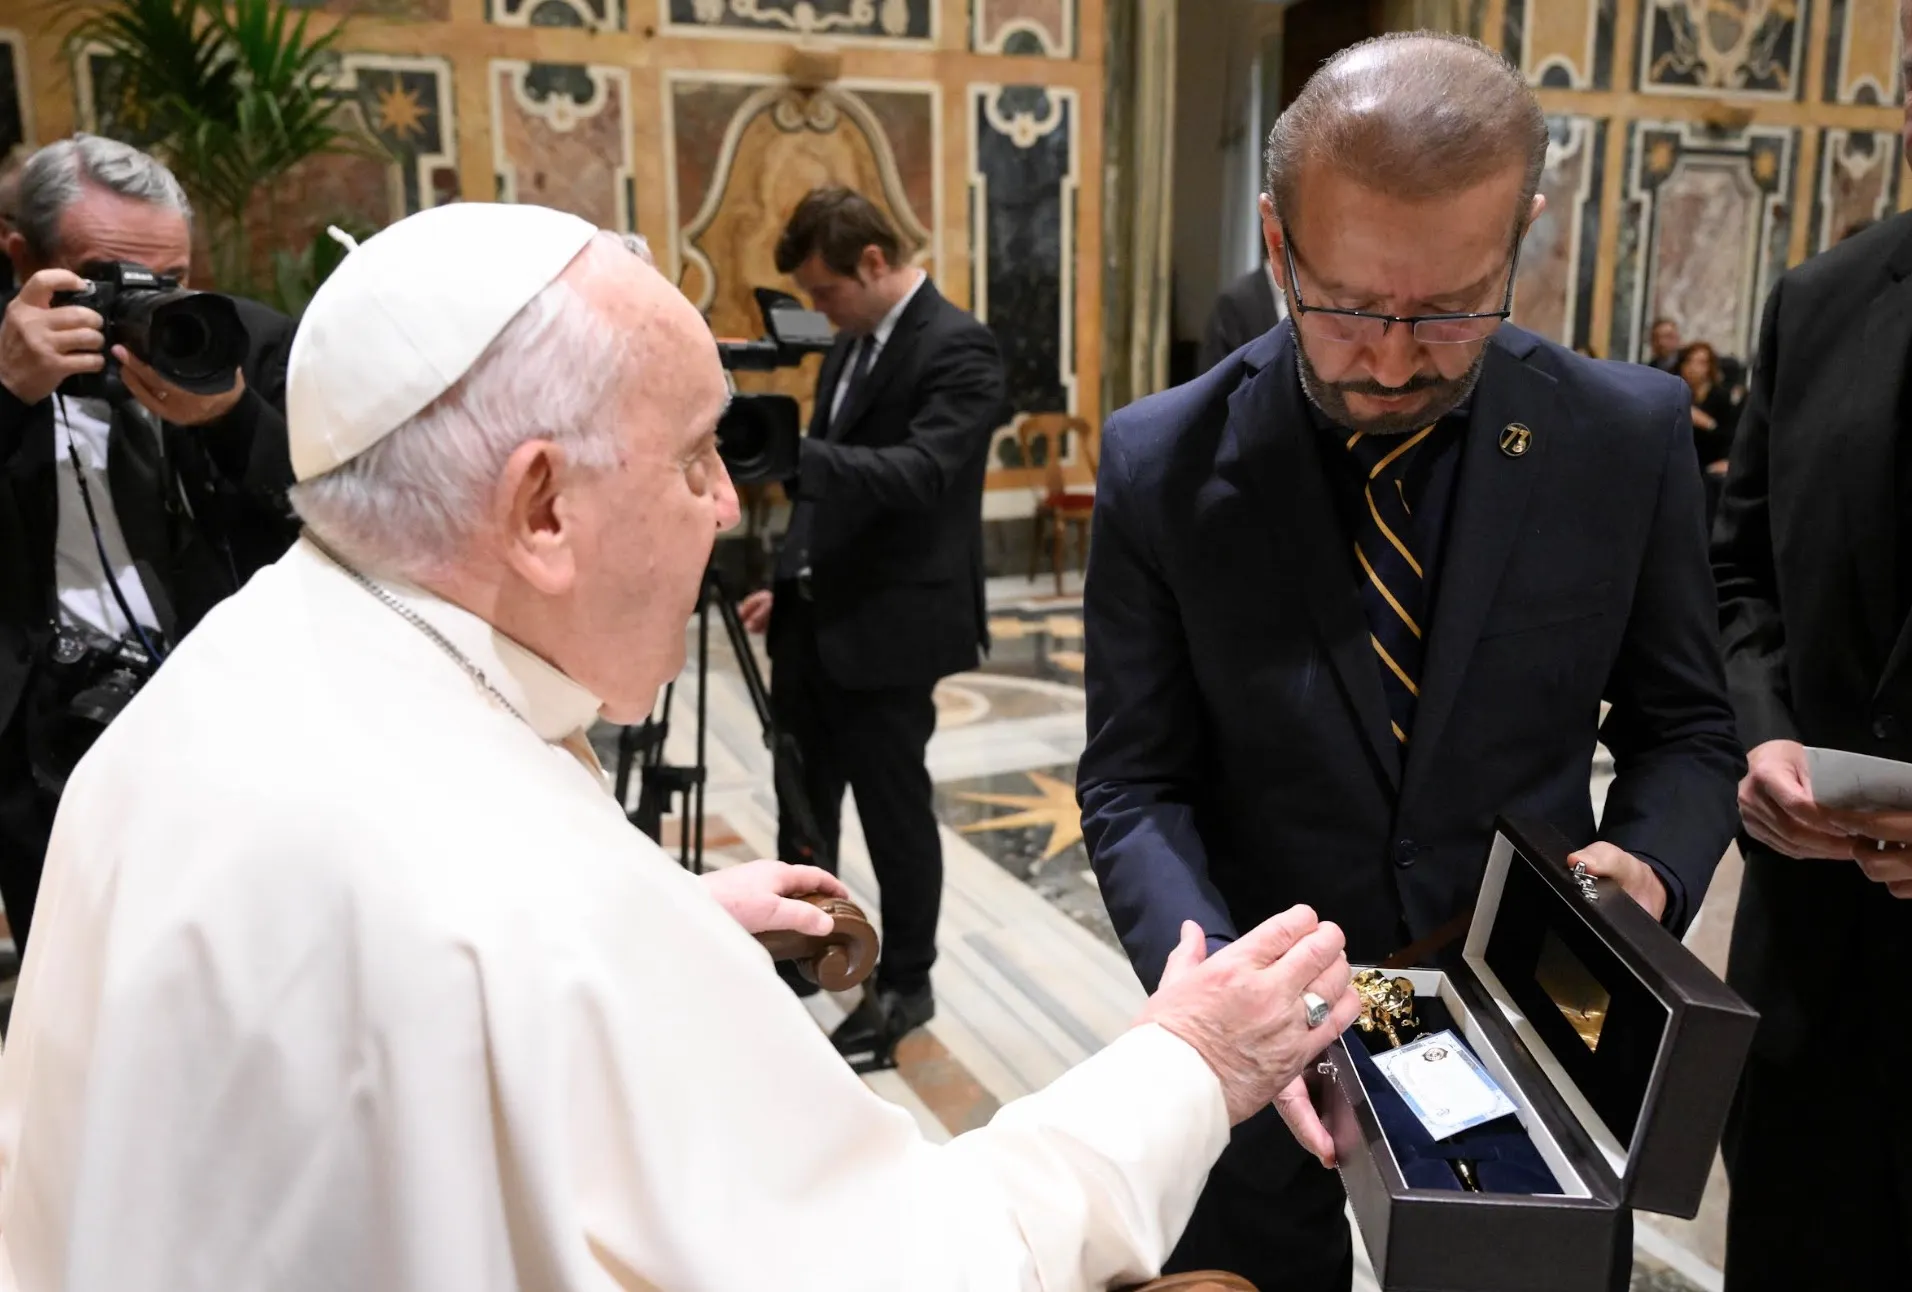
{"x": 1367, "y": 583}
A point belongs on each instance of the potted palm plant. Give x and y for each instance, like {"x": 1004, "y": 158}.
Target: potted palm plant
{"x": 232, "y": 95}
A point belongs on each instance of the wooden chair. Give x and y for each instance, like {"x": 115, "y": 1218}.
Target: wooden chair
{"x": 1045, "y": 438}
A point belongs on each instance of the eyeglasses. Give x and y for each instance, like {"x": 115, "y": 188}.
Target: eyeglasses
{"x": 1362, "y": 327}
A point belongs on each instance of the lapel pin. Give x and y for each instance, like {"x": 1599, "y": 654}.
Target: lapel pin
{"x": 1515, "y": 439}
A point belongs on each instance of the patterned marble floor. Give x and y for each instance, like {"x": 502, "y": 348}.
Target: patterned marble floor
{"x": 1030, "y": 979}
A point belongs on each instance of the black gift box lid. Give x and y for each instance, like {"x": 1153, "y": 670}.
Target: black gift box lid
{"x": 1640, "y": 1040}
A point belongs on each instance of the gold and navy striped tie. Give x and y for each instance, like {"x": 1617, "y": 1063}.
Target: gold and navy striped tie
{"x": 1393, "y": 588}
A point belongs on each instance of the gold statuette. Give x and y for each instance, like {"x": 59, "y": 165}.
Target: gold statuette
{"x": 1387, "y": 1004}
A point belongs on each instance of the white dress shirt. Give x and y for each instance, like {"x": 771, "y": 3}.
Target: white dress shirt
{"x": 85, "y": 597}
{"x": 870, "y": 348}
{"x": 343, "y": 976}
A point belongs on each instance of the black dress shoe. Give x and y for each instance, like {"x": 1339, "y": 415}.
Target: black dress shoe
{"x": 868, "y": 1037}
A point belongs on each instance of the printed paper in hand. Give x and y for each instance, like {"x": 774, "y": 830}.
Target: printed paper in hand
{"x": 1444, "y": 1084}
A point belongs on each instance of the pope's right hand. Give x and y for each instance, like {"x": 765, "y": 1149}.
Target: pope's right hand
{"x": 1241, "y": 1010}
{"x": 41, "y": 346}
{"x": 1776, "y": 803}
{"x": 754, "y": 610}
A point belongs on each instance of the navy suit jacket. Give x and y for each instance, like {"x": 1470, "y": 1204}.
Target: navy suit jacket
{"x": 1239, "y": 758}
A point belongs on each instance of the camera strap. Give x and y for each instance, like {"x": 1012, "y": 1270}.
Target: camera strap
{"x": 106, "y": 565}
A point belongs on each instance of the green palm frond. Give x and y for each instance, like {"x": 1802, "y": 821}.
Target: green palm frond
{"x": 233, "y": 95}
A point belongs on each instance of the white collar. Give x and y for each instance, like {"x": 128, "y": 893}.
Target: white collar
{"x": 881, "y": 336}
{"x": 551, "y": 703}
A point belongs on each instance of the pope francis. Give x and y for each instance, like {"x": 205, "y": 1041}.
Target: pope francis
{"x": 348, "y": 973}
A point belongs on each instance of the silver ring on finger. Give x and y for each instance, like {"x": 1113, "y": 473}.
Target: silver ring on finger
{"x": 1318, "y": 1010}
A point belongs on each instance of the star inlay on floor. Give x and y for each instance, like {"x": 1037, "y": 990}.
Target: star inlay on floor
{"x": 1053, "y": 805}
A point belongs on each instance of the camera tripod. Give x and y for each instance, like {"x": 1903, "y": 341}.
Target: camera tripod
{"x": 661, "y": 783}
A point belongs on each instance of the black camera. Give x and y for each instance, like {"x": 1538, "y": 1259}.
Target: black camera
{"x": 759, "y": 435}
{"x": 193, "y": 339}
{"x": 93, "y": 678}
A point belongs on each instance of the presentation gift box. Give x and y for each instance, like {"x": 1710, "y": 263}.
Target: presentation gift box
{"x": 1616, "y": 1048}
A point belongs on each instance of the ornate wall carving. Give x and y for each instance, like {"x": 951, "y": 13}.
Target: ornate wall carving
{"x": 592, "y": 15}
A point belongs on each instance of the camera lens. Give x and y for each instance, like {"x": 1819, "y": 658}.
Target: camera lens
{"x": 193, "y": 339}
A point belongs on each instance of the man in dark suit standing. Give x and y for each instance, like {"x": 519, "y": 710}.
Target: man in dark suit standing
{"x": 879, "y": 585}
{"x": 1249, "y": 307}
{"x": 1813, "y": 552}
{"x": 1366, "y": 585}
{"x": 186, "y": 491}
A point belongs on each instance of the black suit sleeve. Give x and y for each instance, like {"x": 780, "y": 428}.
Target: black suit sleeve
{"x": 1753, "y": 632}
{"x": 1676, "y": 757}
{"x": 1143, "y": 767}
{"x": 964, "y": 397}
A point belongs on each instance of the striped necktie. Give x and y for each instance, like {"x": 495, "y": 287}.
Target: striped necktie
{"x": 1393, "y": 588}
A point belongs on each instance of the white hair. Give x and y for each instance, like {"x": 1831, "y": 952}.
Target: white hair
{"x": 407, "y": 506}
{"x": 54, "y": 178}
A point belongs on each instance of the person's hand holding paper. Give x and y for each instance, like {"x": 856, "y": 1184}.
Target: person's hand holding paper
{"x": 1827, "y": 803}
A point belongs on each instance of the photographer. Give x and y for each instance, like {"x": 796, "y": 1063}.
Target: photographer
{"x": 132, "y": 505}
{"x": 879, "y": 586}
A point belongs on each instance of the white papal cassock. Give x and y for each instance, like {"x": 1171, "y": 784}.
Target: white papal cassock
{"x": 343, "y": 977}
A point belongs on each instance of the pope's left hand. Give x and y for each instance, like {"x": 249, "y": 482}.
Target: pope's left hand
{"x": 761, "y": 896}
{"x": 168, "y": 402}
{"x": 1634, "y": 876}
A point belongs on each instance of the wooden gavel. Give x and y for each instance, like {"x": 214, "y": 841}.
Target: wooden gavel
{"x": 841, "y": 958}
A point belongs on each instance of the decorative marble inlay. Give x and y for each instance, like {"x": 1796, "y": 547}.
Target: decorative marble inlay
{"x": 1716, "y": 225}
{"x": 561, "y": 136}
{"x": 1561, "y": 43}
{"x": 406, "y": 103}
{"x": 1554, "y": 292}
{"x": 1706, "y": 46}
{"x": 1024, "y": 177}
{"x": 410, "y": 10}
{"x": 882, "y": 20}
{"x": 1858, "y": 182}
{"x": 743, "y": 152}
{"x": 591, "y": 15}
{"x": 1864, "y": 49}
{"x": 1046, "y": 28}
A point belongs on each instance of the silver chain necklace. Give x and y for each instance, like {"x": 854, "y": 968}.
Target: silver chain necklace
{"x": 417, "y": 621}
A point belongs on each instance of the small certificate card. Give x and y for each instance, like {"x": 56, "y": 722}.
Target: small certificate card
{"x": 1444, "y": 1084}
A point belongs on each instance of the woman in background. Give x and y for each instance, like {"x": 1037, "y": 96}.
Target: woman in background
{"x": 1714, "y": 417}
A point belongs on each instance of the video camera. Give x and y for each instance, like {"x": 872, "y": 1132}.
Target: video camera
{"x": 193, "y": 339}
{"x": 759, "y": 435}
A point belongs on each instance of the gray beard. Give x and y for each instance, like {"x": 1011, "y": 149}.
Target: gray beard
{"x": 1444, "y": 396}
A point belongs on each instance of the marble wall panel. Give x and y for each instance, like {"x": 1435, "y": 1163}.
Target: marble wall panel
{"x": 1864, "y": 47}
{"x": 1711, "y": 227}
{"x": 1706, "y": 46}
{"x": 1024, "y": 176}
{"x": 1039, "y": 27}
{"x": 879, "y": 20}
{"x": 561, "y": 136}
{"x": 406, "y": 103}
{"x": 1554, "y": 295}
{"x": 744, "y": 152}
{"x": 408, "y": 10}
{"x": 1858, "y": 182}
{"x": 1565, "y": 44}
{"x": 16, "y": 101}
{"x": 592, "y": 15}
